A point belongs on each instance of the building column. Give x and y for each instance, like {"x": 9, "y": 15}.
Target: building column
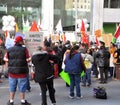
{"x": 47, "y": 15}
{"x": 97, "y": 7}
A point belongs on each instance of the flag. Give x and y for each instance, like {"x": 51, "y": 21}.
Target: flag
{"x": 97, "y": 42}
{"x": 1, "y": 41}
{"x": 7, "y": 34}
{"x": 20, "y": 34}
{"x": 9, "y": 42}
{"x": 39, "y": 25}
{"x": 117, "y": 33}
{"x": 23, "y": 21}
{"x": 16, "y": 27}
{"x": 98, "y": 33}
{"x": 113, "y": 40}
{"x": 59, "y": 27}
{"x": 84, "y": 36}
{"x": 34, "y": 27}
{"x": 66, "y": 78}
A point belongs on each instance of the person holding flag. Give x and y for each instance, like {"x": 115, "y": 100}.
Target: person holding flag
{"x": 74, "y": 66}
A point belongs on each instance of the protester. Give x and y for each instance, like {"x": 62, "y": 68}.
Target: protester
{"x": 74, "y": 65}
{"x": 46, "y": 42}
{"x": 95, "y": 59}
{"x": 64, "y": 56}
{"x": 103, "y": 56}
{"x": 44, "y": 73}
{"x": 112, "y": 50}
{"x": 116, "y": 56}
{"x": 2, "y": 51}
{"x": 88, "y": 61}
{"x": 17, "y": 58}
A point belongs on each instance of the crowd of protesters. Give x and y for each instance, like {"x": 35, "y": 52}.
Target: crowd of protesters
{"x": 97, "y": 61}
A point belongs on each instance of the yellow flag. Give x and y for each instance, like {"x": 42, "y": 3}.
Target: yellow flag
{"x": 16, "y": 27}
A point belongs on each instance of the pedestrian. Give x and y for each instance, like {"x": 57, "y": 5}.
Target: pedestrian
{"x": 112, "y": 50}
{"x": 74, "y": 66}
{"x": 44, "y": 73}
{"x": 88, "y": 61}
{"x": 103, "y": 56}
{"x": 116, "y": 60}
{"x": 17, "y": 58}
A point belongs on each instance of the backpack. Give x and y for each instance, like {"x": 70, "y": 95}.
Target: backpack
{"x": 100, "y": 92}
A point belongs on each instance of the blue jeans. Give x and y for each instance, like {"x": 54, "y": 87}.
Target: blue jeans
{"x": 87, "y": 77}
{"x": 20, "y": 82}
{"x": 28, "y": 83}
{"x": 75, "y": 82}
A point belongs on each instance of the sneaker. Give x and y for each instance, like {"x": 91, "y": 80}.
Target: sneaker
{"x": 88, "y": 85}
{"x": 101, "y": 82}
{"x": 84, "y": 85}
{"x": 28, "y": 90}
{"x": 26, "y": 103}
{"x": 10, "y": 103}
{"x": 79, "y": 97}
{"x": 71, "y": 96}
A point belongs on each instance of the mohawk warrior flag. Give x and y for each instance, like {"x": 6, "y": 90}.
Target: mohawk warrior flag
{"x": 59, "y": 27}
{"x": 84, "y": 37}
{"x": 117, "y": 33}
{"x": 34, "y": 27}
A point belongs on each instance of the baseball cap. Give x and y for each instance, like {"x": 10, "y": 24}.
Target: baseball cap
{"x": 18, "y": 39}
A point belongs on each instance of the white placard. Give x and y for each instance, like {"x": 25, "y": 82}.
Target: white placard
{"x": 33, "y": 40}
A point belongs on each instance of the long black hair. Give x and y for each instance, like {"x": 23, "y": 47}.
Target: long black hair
{"x": 73, "y": 49}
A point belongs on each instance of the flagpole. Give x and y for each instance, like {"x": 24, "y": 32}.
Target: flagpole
{"x": 76, "y": 14}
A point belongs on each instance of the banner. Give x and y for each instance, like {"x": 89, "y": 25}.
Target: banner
{"x": 33, "y": 40}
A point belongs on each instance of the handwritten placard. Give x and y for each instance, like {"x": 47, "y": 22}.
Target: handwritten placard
{"x": 33, "y": 40}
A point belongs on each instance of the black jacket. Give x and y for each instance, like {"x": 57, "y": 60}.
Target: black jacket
{"x": 17, "y": 63}
{"x": 43, "y": 66}
{"x": 103, "y": 56}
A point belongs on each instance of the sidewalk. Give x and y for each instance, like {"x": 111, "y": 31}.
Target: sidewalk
{"x": 62, "y": 92}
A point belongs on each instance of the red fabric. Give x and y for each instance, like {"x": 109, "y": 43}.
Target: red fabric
{"x": 97, "y": 42}
{"x": 117, "y": 33}
{"x": 34, "y": 27}
{"x": 6, "y": 34}
{"x": 32, "y": 75}
{"x": 1, "y": 41}
{"x": 84, "y": 37}
{"x": 18, "y": 75}
{"x": 55, "y": 70}
{"x": 18, "y": 39}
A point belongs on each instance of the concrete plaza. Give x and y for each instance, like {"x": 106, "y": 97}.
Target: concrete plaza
{"x": 62, "y": 92}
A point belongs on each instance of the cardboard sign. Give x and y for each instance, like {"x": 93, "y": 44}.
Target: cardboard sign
{"x": 33, "y": 40}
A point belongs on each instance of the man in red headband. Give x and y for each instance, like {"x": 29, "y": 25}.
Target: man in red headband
{"x": 17, "y": 58}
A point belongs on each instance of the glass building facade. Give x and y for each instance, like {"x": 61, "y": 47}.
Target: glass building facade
{"x": 43, "y": 13}
{"x": 30, "y": 10}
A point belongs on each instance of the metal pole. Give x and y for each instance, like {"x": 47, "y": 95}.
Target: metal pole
{"x": 76, "y": 14}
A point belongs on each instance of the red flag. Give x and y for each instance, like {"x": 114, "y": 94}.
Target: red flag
{"x": 1, "y": 41}
{"x": 7, "y": 34}
{"x": 117, "y": 33}
{"x": 97, "y": 42}
{"x": 84, "y": 36}
{"x": 34, "y": 27}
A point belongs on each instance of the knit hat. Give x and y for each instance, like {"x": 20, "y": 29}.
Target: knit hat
{"x": 18, "y": 39}
{"x": 103, "y": 43}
